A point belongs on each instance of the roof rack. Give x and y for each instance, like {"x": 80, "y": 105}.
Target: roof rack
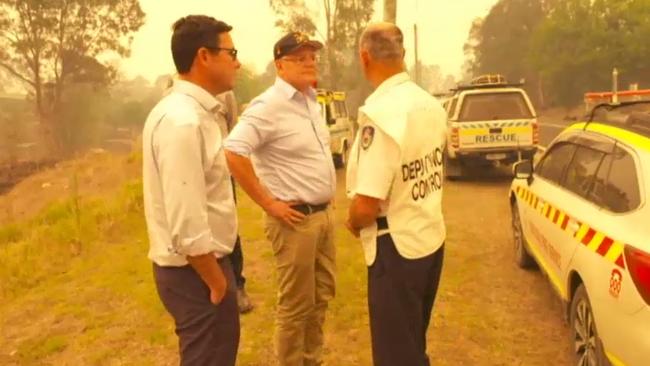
{"x": 475, "y": 87}
{"x": 487, "y": 81}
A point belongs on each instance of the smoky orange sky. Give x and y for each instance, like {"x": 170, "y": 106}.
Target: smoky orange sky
{"x": 443, "y": 29}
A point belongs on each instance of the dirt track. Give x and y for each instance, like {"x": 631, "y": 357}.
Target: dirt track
{"x": 490, "y": 312}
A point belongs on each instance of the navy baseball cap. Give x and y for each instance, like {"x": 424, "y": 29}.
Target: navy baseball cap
{"x": 293, "y": 41}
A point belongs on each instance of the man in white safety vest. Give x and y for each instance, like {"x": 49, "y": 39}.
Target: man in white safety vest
{"x": 395, "y": 178}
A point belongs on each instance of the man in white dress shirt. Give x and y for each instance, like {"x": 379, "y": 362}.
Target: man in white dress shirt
{"x": 188, "y": 196}
{"x": 395, "y": 182}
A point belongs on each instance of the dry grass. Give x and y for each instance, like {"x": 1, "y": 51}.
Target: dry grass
{"x": 77, "y": 289}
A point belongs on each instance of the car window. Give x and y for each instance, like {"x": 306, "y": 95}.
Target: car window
{"x": 330, "y": 113}
{"x": 581, "y": 171}
{"x": 333, "y": 109}
{"x": 452, "y": 108}
{"x": 593, "y": 141}
{"x": 323, "y": 110}
{"x": 494, "y": 106}
{"x": 555, "y": 162}
{"x": 342, "y": 111}
{"x": 616, "y": 186}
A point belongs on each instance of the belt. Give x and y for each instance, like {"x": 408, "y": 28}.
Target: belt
{"x": 307, "y": 209}
{"x": 382, "y": 223}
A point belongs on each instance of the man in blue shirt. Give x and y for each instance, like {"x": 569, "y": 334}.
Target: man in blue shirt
{"x": 279, "y": 153}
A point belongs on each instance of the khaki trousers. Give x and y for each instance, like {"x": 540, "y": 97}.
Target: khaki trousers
{"x": 305, "y": 262}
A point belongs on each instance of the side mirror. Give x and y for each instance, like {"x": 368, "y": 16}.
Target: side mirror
{"x": 523, "y": 169}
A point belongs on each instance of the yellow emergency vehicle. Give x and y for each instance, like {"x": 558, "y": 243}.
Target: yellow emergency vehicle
{"x": 581, "y": 214}
{"x": 490, "y": 122}
{"x": 335, "y": 112}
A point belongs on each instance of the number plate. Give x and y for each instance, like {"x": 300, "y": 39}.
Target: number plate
{"x": 499, "y": 156}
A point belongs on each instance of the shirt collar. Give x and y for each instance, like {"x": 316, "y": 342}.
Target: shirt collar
{"x": 388, "y": 84}
{"x": 224, "y": 108}
{"x": 289, "y": 91}
{"x": 205, "y": 99}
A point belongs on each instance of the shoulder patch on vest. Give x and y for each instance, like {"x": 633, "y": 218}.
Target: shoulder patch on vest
{"x": 367, "y": 135}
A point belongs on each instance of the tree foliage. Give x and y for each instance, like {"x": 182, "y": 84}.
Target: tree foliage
{"x": 581, "y": 41}
{"x": 433, "y": 80}
{"x": 249, "y": 85}
{"x": 563, "y": 48}
{"x": 500, "y": 42}
{"x": 342, "y": 25}
{"x": 53, "y": 45}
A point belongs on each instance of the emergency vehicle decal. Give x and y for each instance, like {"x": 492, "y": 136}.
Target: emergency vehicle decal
{"x": 615, "y": 283}
{"x": 367, "y": 135}
{"x": 467, "y": 126}
{"x": 596, "y": 241}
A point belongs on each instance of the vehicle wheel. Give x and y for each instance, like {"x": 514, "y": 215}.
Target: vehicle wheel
{"x": 453, "y": 168}
{"x": 522, "y": 256}
{"x": 341, "y": 160}
{"x": 587, "y": 345}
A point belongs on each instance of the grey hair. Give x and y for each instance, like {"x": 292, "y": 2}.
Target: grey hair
{"x": 383, "y": 41}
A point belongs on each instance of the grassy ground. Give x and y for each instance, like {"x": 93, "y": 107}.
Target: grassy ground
{"x": 76, "y": 288}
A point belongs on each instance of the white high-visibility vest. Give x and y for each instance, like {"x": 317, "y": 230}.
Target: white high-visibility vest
{"x": 397, "y": 157}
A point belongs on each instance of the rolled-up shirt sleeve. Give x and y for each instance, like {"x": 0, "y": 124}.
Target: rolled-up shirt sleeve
{"x": 251, "y": 132}
{"x": 180, "y": 167}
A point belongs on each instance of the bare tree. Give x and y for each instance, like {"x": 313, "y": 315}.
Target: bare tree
{"x": 390, "y": 11}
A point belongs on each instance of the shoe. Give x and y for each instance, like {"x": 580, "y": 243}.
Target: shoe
{"x": 244, "y": 302}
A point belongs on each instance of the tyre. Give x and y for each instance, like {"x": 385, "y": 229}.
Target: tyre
{"x": 587, "y": 345}
{"x": 522, "y": 256}
{"x": 341, "y": 160}
{"x": 453, "y": 168}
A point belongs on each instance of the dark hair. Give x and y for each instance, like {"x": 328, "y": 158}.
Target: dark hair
{"x": 191, "y": 33}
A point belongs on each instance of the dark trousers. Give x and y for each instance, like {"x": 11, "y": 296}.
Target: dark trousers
{"x": 401, "y": 293}
{"x": 208, "y": 334}
{"x": 237, "y": 260}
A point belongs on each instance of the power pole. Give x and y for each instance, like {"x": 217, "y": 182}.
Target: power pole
{"x": 417, "y": 59}
{"x": 390, "y": 11}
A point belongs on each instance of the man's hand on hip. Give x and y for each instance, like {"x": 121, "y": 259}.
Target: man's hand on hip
{"x": 242, "y": 170}
{"x": 283, "y": 212}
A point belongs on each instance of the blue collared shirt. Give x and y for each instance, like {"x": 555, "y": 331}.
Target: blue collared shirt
{"x": 284, "y": 134}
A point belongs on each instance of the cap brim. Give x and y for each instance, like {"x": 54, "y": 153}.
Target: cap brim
{"x": 309, "y": 44}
